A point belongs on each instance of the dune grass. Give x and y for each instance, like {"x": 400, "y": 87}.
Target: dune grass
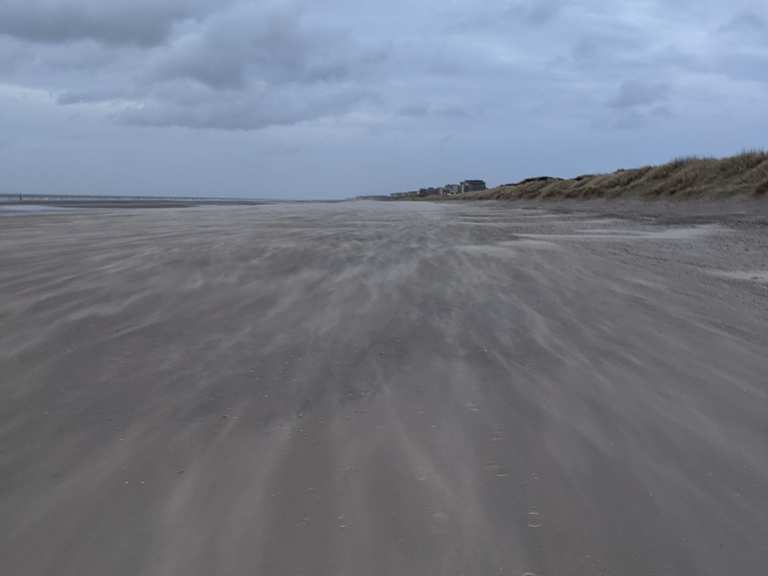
{"x": 745, "y": 174}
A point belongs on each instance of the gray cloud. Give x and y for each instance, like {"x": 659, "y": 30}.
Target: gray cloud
{"x": 537, "y": 12}
{"x": 90, "y": 96}
{"x": 747, "y": 25}
{"x": 143, "y": 22}
{"x": 395, "y": 94}
{"x": 257, "y": 42}
{"x": 608, "y": 47}
{"x": 197, "y": 107}
{"x": 634, "y": 94}
{"x": 247, "y": 67}
{"x": 415, "y": 110}
{"x": 744, "y": 66}
{"x": 424, "y": 110}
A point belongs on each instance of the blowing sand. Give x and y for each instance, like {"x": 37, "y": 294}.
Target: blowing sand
{"x": 385, "y": 389}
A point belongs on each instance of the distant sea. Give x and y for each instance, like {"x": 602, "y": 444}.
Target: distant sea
{"x": 10, "y": 210}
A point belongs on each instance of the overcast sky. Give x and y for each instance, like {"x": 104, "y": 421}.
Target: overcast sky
{"x": 333, "y": 98}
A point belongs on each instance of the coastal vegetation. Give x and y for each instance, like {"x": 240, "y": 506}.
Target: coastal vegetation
{"x": 745, "y": 174}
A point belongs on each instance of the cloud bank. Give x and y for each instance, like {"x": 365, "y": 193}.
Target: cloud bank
{"x": 503, "y": 88}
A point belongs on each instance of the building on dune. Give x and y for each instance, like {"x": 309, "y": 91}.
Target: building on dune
{"x": 473, "y": 186}
{"x": 442, "y": 191}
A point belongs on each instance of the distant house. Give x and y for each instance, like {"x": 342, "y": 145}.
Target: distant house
{"x": 473, "y": 186}
{"x": 447, "y": 190}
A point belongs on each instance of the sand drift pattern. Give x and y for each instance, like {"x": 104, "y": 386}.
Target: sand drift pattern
{"x": 386, "y": 389}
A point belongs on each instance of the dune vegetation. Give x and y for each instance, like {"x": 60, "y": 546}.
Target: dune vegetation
{"x": 745, "y": 174}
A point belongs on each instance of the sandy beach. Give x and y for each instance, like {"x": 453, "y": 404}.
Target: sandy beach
{"x": 385, "y": 389}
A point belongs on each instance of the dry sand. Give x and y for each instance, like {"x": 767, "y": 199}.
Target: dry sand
{"x": 384, "y": 389}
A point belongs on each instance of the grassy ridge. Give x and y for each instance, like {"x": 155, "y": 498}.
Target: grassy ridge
{"x": 743, "y": 175}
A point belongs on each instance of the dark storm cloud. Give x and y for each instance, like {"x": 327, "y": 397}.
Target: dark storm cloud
{"x": 143, "y": 22}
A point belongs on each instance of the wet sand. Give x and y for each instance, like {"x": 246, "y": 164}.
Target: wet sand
{"x": 385, "y": 389}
